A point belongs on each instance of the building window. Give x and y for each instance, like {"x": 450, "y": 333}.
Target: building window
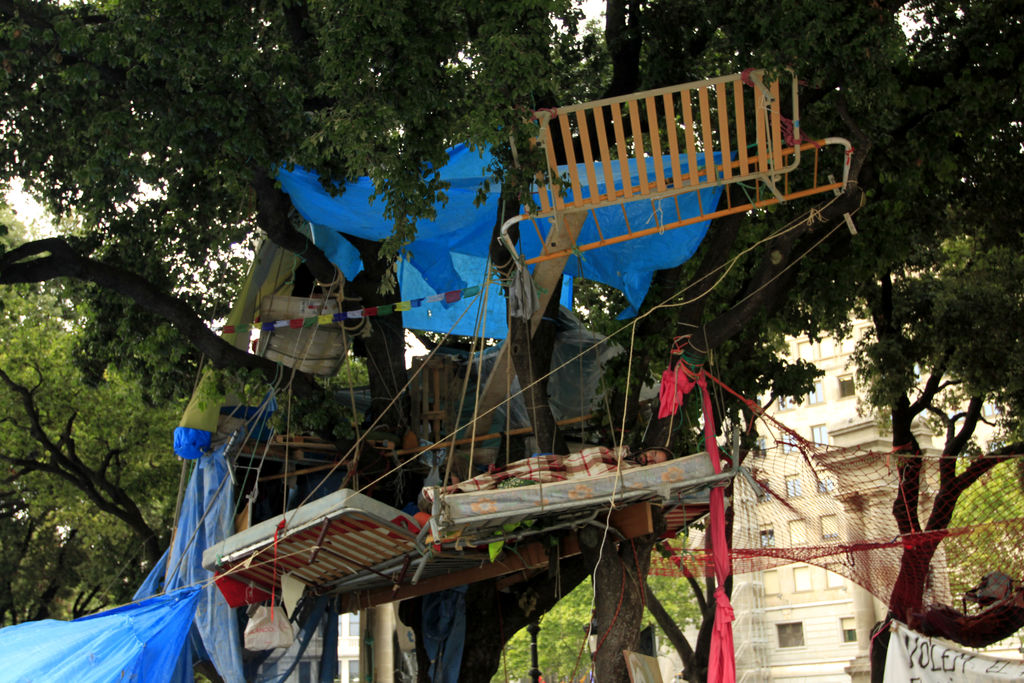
{"x": 353, "y": 671}
{"x": 771, "y": 582}
{"x": 989, "y": 409}
{"x": 787, "y": 445}
{"x": 829, "y": 527}
{"x": 305, "y": 672}
{"x": 801, "y": 579}
{"x": 849, "y": 628}
{"x": 846, "y": 386}
{"x": 826, "y": 485}
{"x": 353, "y": 625}
{"x": 797, "y": 532}
{"x": 787, "y": 402}
{"x": 817, "y": 394}
{"x": 767, "y": 537}
{"x": 819, "y": 434}
{"x": 833, "y": 580}
{"x": 791, "y": 635}
{"x": 792, "y": 486}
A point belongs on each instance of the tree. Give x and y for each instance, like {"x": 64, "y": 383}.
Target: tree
{"x": 86, "y": 487}
{"x": 161, "y": 125}
{"x": 563, "y": 637}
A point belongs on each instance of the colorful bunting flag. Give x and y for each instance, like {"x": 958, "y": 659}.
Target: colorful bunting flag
{"x": 368, "y": 312}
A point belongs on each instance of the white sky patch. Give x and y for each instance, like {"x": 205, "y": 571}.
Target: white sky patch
{"x": 30, "y": 212}
{"x": 593, "y": 9}
{"x": 413, "y": 347}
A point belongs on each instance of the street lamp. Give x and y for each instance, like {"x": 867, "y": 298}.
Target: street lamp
{"x": 533, "y": 628}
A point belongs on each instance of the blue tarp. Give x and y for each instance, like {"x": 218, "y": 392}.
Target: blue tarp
{"x": 207, "y": 517}
{"x": 146, "y": 640}
{"x": 137, "y": 642}
{"x": 450, "y": 252}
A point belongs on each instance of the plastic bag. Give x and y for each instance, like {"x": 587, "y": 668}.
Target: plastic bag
{"x": 268, "y": 628}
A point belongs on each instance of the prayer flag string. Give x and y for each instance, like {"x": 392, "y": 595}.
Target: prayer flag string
{"x": 368, "y": 312}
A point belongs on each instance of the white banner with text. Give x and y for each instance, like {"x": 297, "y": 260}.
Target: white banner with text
{"x": 914, "y": 658}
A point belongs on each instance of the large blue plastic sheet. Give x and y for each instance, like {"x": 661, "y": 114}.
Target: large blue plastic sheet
{"x": 207, "y": 517}
{"x": 136, "y": 642}
{"x": 464, "y": 228}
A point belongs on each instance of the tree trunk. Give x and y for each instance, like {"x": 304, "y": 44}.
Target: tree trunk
{"x": 619, "y": 571}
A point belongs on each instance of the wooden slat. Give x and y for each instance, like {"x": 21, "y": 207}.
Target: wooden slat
{"x": 723, "y": 131}
{"x": 672, "y": 133}
{"x": 636, "y": 127}
{"x": 762, "y": 146}
{"x": 706, "y": 135}
{"x": 620, "y": 147}
{"x": 633, "y": 521}
{"x": 588, "y": 160}
{"x": 654, "y": 130}
{"x": 570, "y": 158}
{"x": 776, "y": 126}
{"x": 606, "y": 156}
{"x": 691, "y": 140}
{"x": 741, "y": 126}
{"x": 556, "y": 195}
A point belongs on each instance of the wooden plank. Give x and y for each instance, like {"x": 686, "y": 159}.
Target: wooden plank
{"x": 563, "y": 234}
{"x": 691, "y": 140}
{"x": 588, "y": 160}
{"x": 570, "y": 158}
{"x": 638, "y": 146}
{"x": 759, "y": 121}
{"x": 553, "y": 185}
{"x": 633, "y": 521}
{"x": 620, "y": 147}
{"x": 706, "y": 136}
{"x": 741, "y": 126}
{"x": 672, "y": 133}
{"x": 723, "y": 131}
{"x": 654, "y": 131}
{"x": 777, "y": 141}
{"x": 606, "y": 157}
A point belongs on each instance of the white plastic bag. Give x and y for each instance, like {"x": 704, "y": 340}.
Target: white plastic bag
{"x": 268, "y": 628}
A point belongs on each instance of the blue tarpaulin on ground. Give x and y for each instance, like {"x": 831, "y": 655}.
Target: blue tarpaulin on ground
{"x": 136, "y": 642}
{"x": 450, "y": 252}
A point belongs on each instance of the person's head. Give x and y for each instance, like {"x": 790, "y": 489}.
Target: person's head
{"x": 651, "y": 456}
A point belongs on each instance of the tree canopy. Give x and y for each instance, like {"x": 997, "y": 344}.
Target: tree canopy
{"x": 159, "y": 126}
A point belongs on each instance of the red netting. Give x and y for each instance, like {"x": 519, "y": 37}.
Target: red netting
{"x": 833, "y": 507}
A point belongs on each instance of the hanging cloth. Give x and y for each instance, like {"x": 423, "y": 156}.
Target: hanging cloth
{"x": 523, "y": 301}
{"x": 678, "y": 381}
{"x": 722, "y": 663}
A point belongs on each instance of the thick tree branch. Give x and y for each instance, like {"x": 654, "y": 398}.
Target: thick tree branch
{"x": 764, "y": 292}
{"x": 55, "y": 258}
{"x": 668, "y": 625}
{"x": 273, "y": 214}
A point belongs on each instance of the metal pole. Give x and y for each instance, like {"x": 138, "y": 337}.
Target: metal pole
{"x": 533, "y": 629}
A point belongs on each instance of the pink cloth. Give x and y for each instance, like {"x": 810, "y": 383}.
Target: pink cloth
{"x": 722, "y": 663}
{"x": 675, "y": 384}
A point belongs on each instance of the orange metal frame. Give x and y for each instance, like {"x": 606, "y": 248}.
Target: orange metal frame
{"x": 707, "y": 121}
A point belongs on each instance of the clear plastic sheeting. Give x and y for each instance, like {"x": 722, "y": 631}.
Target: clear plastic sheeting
{"x": 136, "y": 642}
